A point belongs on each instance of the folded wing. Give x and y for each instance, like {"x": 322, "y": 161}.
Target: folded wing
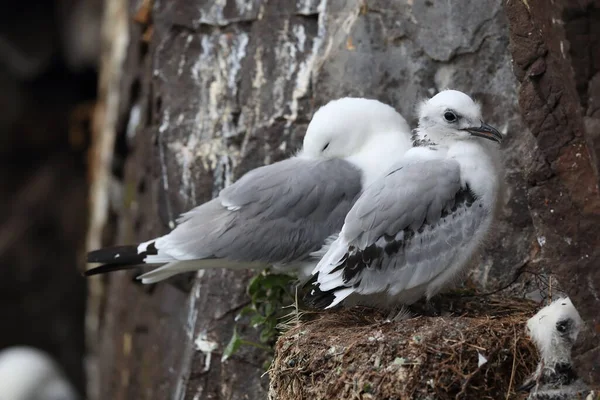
{"x": 402, "y": 233}
{"x": 278, "y": 213}
{"x": 274, "y": 214}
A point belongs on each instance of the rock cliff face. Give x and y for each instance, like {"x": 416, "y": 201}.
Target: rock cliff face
{"x": 203, "y": 91}
{"x": 47, "y": 89}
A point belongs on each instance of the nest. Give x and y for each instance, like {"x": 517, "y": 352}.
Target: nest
{"x": 475, "y": 348}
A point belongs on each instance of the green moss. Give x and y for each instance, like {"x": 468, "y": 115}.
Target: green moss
{"x": 269, "y": 294}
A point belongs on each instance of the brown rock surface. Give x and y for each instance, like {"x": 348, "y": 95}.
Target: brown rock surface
{"x": 223, "y": 87}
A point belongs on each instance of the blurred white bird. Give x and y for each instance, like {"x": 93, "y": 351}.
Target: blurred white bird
{"x": 281, "y": 213}
{"x": 554, "y": 330}
{"x": 27, "y": 373}
{"x": 414, "y": 230}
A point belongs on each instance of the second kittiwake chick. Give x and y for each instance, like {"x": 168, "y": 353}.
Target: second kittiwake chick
{"x": 554, "y": 330}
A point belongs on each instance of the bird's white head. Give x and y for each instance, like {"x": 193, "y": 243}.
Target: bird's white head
{"x": 344, "y": 127}
{"x": 450, "y": 116}
{"x": 554, "y": 330}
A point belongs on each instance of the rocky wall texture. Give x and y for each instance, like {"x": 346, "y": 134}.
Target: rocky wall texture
{"x": 211, "y": 89}
{"x": 555, "y": 57}
{"x": 47, "y": 90}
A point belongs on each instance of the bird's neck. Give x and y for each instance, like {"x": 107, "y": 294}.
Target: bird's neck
{"x": 420, "y": 138}
{"x": 556, "y": 355}
{"x": 480, "y": 166}
{"x": 379, "y": 154}
{"x": 432, "y": 137}
{"x": 557, "y": 374}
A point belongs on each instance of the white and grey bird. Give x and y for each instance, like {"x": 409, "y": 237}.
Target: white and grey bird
{"x": 413, "y": 230}
{"x": 280, "y": 213}
{"x": 554, "y": 330}
{"x": 27, "y": 373}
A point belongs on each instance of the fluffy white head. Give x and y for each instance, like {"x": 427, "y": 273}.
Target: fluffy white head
{"x": 450, "y": 116}
{"x": 29, "y": 374}
{"x": 343, "y": 127}
{"x": 554, "y": 329}
{"x": 368, "y": 133}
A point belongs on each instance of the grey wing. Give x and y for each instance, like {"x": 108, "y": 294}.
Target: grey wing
{"x": 403, "y": 231}
{"x": 274, "y": 214}
{"x": 404, "y": 198}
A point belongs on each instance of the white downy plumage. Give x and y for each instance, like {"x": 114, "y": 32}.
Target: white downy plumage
{"x": 413, "y": 231}
{"x": 281, "y": 213}
{"x": 554, "y": 330}
{"x": 30, "y": 374}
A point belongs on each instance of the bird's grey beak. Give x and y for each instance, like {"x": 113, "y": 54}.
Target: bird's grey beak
{"x": 486, "y": 131}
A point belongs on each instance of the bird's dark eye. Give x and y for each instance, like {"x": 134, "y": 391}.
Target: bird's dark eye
{"x": 563, "y": 326}
{"x": 325, "y": 147}
{"x": 450, "y": 116}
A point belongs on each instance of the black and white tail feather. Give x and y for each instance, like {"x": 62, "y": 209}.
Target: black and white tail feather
{"x": 118, "y": 258}
{"x": 146, "y": 254}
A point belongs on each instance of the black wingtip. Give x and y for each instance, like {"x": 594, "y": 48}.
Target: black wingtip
{"x": 121, "y": 255}
{"x": 118, "y": 258}
{"x": 106, "y": 268}
{"x": 315, "y": 298}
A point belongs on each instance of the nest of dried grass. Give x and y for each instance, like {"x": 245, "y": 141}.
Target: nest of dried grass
{"x": 359, "y": 354}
